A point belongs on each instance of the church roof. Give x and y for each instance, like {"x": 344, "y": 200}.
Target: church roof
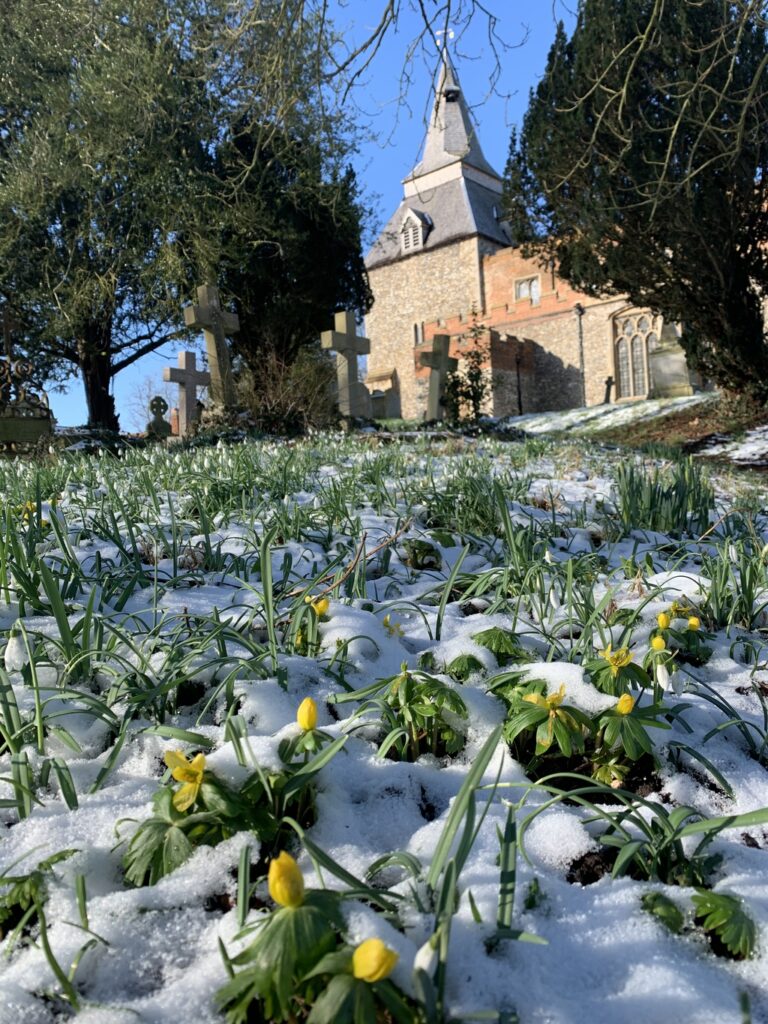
{"x": 457, "y": 209}
{"x": 451, "y": 136}
{"x": 453, "y": 190}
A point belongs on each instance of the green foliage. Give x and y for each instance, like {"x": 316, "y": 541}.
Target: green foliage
{"x": 545, "y": 720}
{"x": 504, "y": 645}
{"x": 663, "y": 909}
{"x": 724, "y": 916}
{"x": 641, "y": 169}
{"x": 419, "y": 714}
{"x": 678, "y": 500}
{"x": 23, "y": 894}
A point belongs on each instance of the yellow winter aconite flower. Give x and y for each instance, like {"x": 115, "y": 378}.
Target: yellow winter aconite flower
{"x": 306, "y": 716}
{"x": 550, "y": 703}
{"x": 616, "y": 659}
{"x": 188, "y": 772}
{"x": 678, "y": 610}
{"x": 319, "y": 605}
{"x": 373, "y": 961}
{"x": 694, "y": 622}
{"x": 625, "y": 704}
{"x": 393, "y": 628}
{"x": 658, "y": 643}
{"x": 664, "y": 621}
{"x": 285, "y": 881}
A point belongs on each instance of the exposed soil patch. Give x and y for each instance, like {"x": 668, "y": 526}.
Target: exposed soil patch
{"x": 591, "y": 866}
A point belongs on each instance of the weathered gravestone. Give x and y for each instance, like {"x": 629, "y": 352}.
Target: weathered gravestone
{"x": 24, "y": 415}
{"x": 440, "y": 365}
{"x": 354, "y": 398}
{"x": 216, "y": 324}
{"x": 669, "y": 371}
{"x": 189, "y": 379}
{"x": 158, "y": 428}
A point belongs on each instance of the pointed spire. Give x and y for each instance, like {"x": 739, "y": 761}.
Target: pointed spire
{"x": 451, "y": 136}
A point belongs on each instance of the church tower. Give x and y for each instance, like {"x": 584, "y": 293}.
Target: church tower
{"x": 427, "y": 264}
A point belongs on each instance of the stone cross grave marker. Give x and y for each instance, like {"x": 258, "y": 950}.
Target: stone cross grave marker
{"x": 354, "y": 398}
{"x": 189, "y": 379}
{"x": 440, "y": 365}
{"x": 216, "y": 324}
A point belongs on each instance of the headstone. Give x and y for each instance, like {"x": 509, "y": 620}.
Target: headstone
{"x": 216, "y": 324}
{"x": 354, "y": 397}
{"x": 667, "y": 365}
{"x": 158, "y": 428}
{"x": 609, "y": 382}
{"x": 189, "y": 379}
{"x": 175, "y": 421}
{"x": 24, "y": 416}
{"x": 440, "y": 365}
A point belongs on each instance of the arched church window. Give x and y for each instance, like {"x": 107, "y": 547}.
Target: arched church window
{"x": 635, "y": 336}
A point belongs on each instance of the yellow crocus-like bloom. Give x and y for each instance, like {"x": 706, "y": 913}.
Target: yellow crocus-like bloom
{"x": 616, "y": 659}
{"x": 392, "y": 628}
{"x": 694, "y": 622}
{"x": 664, "y": 621}
{"x": 285, "y": 881}
{"x": 658, "y": 643}
{"x": 551, "y": 703}
{"x": 319, "y": 605}
{"x": 625, "y": 704}
{"x": 373, "y": 961}
{"x": 306, "y": 716}
{"x": 188, "y": 772}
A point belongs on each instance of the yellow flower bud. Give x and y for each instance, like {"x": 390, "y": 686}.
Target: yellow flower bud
{"x": 658, "y": 643}
{"x": 285, "y": 881}
{"x": 320, "y": 606}
{"x": 664, "y": 621}
{"x": 306, "y": 716}
{"x": 694, "y": 622}
{"x": 625, "y": 704}
{"x": 373, "y": 961}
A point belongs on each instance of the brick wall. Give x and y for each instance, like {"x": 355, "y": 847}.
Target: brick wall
{"x": 536, "y": 342}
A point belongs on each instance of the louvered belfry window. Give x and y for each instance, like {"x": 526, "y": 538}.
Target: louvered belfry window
{"x": 411, "y": 237}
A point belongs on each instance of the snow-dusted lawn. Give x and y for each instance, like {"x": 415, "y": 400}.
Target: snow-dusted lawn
{"x": 164, "y": 630}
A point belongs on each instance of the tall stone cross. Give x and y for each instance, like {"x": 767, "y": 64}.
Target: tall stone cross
{"x": 189, "y": 379}
{"x": 440, "y": 365}
{"x": 216, "y": 324}
{"x": 354, "y": 397}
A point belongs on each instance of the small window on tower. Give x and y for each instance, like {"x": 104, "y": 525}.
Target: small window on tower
{"x": 528, "y": 288}
{"x": 411, "y": 235}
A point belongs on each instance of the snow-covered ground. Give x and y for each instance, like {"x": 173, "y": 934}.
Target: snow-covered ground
{"x": 156, "y": 557}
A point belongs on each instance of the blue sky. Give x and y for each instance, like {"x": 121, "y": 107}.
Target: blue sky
{"x": 396, "y": 117}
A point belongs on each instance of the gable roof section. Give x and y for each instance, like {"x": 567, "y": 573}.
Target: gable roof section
{"x": 456, "y": 209}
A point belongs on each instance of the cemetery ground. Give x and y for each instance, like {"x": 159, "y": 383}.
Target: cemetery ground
{"x": 353, "y": 729}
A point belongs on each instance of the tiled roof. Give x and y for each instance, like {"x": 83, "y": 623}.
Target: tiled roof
{"x": 458, "y": 209}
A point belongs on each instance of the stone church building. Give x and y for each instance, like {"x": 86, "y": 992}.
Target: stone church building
{"x": 444, "y": 263}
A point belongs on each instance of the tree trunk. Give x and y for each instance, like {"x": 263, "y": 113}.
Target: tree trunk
{"x": 96, "y": 369}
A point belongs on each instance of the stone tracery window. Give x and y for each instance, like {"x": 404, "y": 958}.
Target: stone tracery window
{"x": 635, "y": 336}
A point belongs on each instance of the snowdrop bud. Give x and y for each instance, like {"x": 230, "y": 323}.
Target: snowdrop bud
{"x": 16, "y": 653}
{"x": 426, "y": 957}
{"x": 550, "y": 560}
{"x": 662, "y": 677}
{"x": 732, "y": 553}
{"x": 553, "y": 599}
